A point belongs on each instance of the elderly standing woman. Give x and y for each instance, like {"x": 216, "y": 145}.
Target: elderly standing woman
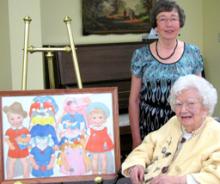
{"x": 186, "y": 150}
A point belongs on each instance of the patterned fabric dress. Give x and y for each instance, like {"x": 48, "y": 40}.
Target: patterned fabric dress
{"x": 157, "y": 79}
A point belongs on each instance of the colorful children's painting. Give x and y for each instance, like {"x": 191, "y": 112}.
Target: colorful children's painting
{"x": 56, "y": 135}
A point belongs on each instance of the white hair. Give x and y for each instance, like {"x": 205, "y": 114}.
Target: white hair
{"x": 206, "y": 90}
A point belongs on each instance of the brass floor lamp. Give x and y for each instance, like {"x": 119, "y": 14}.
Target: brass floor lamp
{"x": 49, "y": 55}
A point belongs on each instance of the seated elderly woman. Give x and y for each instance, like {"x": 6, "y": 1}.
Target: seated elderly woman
{"x": 186, "y": 150}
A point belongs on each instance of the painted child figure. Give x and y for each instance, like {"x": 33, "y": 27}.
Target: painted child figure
{"x": 73, "y": 124}
{"x": 72, "y": 157}
{"x": 72, "y": 128}
{"x": 44, "y": 140}
{"x": 42, "y": 154}
{"x": 99, "y": 142}
{"x": 17, "y": 137}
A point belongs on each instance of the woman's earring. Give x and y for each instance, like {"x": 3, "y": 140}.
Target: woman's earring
{"x": 156, "y": 33}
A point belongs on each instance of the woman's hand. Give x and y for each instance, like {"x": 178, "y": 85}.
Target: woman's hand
{"x": 136, "y": 174}
{"x": 165, "y": 179}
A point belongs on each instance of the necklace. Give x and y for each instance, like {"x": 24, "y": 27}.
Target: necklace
{"x": 168, "y": 57}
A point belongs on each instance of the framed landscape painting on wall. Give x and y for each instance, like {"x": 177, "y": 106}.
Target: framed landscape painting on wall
{"x": 116, "y": 16}
{"x": 59, "y": 135}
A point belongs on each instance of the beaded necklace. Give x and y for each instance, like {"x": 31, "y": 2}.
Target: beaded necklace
{"x": 168, "y": 57}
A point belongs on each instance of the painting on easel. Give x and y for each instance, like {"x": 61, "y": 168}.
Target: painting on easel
{"x": 69, "y": 135}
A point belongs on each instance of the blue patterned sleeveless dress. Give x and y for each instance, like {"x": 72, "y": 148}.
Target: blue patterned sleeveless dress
{"x": 157, "y": 79}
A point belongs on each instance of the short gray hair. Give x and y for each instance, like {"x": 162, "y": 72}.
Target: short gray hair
{"x": 206, "y": 90}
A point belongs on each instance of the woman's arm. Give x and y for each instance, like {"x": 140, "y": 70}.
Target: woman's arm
{"x": 134, "y": 110}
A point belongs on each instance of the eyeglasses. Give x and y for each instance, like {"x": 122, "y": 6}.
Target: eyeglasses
{"x": 187, "y": 104}
{"x": 164, "y": 20}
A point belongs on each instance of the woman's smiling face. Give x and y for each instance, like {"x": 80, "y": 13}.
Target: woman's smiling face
{"x": 190, "y": 110}
{"x": 168, "y": 24}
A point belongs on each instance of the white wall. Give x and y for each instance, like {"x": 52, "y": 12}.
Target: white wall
{"x": 5, "y": 65}
{"x": 192, "y": 32}
{"x": 17, "y": 11}
{"x": 212, "y": 43}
